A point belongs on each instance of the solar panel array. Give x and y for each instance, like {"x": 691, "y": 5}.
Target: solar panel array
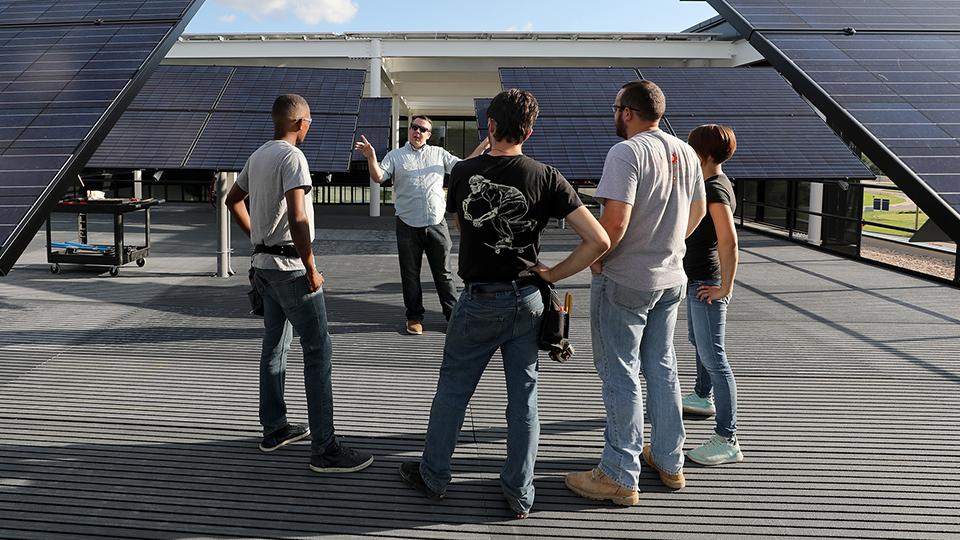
{"x": 67, "y": 70}
{"x": 234, "y": 104}
{"x": 780, "y": 136}
{"x": 376, "y": 124}
{"x": 892, "y": 86}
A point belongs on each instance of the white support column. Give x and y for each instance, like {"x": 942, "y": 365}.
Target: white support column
{"x": 814, "y": 232}
{"x": 138, "y": 184}
{"x": 225, "y": 182}
{"x": 376, "y": 66}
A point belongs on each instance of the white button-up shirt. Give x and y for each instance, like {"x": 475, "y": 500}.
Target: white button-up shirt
{"x": 418, "y": 182}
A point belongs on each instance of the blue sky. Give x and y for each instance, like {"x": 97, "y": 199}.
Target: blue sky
{"x": 232, "y": 16}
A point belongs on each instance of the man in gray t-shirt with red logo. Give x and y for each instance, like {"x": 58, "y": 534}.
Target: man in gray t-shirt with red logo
{"x": 653, "y": 197}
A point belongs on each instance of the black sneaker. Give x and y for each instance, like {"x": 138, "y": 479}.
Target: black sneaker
{"x": 338, "y": 458}
{"x": 410, "y": 473}
{"x": 289, "y": 433}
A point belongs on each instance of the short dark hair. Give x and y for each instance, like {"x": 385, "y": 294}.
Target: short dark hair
{"x": 645, "y": 98}
{"x": 713, "y": 140}
{"x": 514, "y": 111}
{"x": 422, "y": 117}
{"x": 287, "y": 105}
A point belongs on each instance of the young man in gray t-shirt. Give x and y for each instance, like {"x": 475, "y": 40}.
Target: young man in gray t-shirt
{"x": 653, "y": 197}
{"x": 276, "y": 179}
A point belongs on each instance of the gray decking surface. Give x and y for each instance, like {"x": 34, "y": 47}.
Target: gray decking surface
{"x": 128, "y": 405}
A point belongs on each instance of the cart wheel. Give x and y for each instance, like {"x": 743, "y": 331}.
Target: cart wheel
{"x": 141, "y": 262}
{"x": 55, "y": 268}
{"x": 114, "y": 271}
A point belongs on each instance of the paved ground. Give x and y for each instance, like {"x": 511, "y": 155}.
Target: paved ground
{"x": 128, "y": 405}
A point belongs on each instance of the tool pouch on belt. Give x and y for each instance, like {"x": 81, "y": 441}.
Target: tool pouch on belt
{"x": 256, "y": 301}
{"x": 554, "y": 330}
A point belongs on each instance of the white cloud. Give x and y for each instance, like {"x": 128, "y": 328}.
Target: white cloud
{"x": 228, "y": 18}
{"x": 308, "y": 11}
{"x": 528, "y": 27}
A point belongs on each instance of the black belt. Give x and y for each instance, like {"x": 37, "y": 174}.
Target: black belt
{"x": 286, "y": 250}
{"x": 502, "y": 286}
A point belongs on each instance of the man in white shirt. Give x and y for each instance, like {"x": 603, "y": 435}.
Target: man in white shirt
{"x": 653, "y": 197}
{"x": 417, "y": 170}
{"x": 276, "y": 178}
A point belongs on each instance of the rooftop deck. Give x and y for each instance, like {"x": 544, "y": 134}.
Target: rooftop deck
{"x": 128, "y": 405}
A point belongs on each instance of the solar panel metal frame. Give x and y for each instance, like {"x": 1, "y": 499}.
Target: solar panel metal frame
{"x": 906, "y": 179}
{"x": 24, "y": 231}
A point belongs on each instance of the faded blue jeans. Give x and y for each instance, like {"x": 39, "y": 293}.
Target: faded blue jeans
{"x": 706, "y": 329}
{"x": 632, "y": 336}
{"x": 289, "y": 305}
{"x": 505, "y": 317}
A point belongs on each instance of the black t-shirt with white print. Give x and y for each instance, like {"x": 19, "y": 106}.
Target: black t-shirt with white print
{"x": 503, "y": 203}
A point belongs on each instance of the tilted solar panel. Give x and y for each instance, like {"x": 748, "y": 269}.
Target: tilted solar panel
{"x": 375, "y": 123}
{"x": 328, "y": 91}
{"x": 480, "y": 107}
{"x": 570, "y": 91}
{"x": 327, "y": 147}
{"x": 896, "y": 95}
{"x": 64, "y": 80}
{"x": 577, "y": 146}
{"x": 183, "y": 88}
{"x": 149, "y": 139}
{"x": 767, "y": 15}
{"x": 779, "y": 136}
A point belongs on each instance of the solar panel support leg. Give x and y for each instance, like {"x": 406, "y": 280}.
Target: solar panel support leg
{"x": 224, "y": 182}
{"x": 138, "y": 184}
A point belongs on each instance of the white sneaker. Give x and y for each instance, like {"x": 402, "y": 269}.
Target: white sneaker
{"x": 717, "y": 451}
{"x": 694, "y": 404}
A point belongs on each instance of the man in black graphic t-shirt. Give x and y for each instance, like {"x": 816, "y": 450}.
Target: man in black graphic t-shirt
{"x": 503, "y": 201}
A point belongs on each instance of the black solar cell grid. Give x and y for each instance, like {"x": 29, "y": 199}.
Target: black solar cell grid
{"x": 183, "y": 88}
{"x": 149, "y": 139}
{"x": 576, "y": 146}
{"x": 329, "y": 91}
{"x": 75, "y": 11}
{"x": 905, "y": 89}
{"x": 375, "y": 112}
{"x": 726, "y": 91}
{"x": 859, "y": 14}
{"x": 379, "y": 137}
{"x": 570, "y": 91}
{"x": 229, "y": 138}
{"x": 784, "y": 147}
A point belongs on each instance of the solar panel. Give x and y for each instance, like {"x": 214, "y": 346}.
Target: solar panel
{"x": 767, "y": 15}
{"x": 779, "y": 136}
{"x": 64, "y": 79}
{"x": 21, "y": 12}
{"x": 166, "y": 112}
{"x": 577, "y": 146}
{"x": 375, "y": 123}
{"x": 480, "y": 107}
{"x": 327, "y": 147}
{"x": 896, "y": 95}
{"x": 570, "y": 91}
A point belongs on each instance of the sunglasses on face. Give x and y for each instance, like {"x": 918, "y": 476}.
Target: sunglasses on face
{"x": 419, "y": 128}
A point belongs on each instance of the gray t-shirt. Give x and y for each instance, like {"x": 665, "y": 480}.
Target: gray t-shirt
{"x": 660, "y": 176}
{"x": 270, "y": 172}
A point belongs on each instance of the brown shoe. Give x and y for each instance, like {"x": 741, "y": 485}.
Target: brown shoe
{"x": 414, "y": 327}
{"x": 596, "y": 485}
{"x": 672, "y": 481}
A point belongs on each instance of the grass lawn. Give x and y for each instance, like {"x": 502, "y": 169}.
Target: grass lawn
{"x": 898, "y": 219}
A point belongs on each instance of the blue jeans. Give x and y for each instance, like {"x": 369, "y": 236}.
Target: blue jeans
{"x": 289, "y": 305}
{"x": 706, "y": 325}
{"x": 412, "y": 244}
{"x": 483, "y": 322}
{"x": 633, "y": 335}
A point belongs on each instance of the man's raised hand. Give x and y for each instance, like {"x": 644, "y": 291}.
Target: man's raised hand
{"x": 365, "y": 148}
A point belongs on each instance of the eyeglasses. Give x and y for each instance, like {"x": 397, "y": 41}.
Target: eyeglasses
{"x": 420, "y": 128}
{"x": 307, "y": 120}
{"x": 618, "y": 107}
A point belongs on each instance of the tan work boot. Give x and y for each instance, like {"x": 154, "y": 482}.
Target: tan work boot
{"x": 672, "y": 481}
{"x": 414, "y": 327}
{"x": 596, "y": 485}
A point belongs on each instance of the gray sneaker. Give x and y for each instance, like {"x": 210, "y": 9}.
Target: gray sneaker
{"x": 717, "y": 451}
{"x": 694, "y": 404}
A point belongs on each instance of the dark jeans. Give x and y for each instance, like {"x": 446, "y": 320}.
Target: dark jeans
{"x": 412, "y": 243}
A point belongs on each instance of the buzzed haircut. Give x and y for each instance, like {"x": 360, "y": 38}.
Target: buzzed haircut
{"x": 423, "y": 117}
{"x": 288, "y": 107}
{"x": 645, "y": 98}
{"x": 713, "y": 140}
{"x": 515, "y": 112}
